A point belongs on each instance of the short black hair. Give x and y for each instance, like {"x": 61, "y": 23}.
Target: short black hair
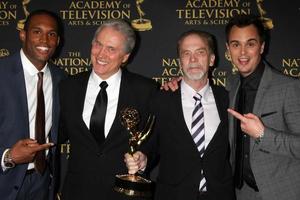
{"x": 44, "y": 12}
{"x": 246, "y": 20}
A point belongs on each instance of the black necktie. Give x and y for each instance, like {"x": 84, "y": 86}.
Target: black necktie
{"x": 40, "y": 158}
{"x": 98, "y": 115}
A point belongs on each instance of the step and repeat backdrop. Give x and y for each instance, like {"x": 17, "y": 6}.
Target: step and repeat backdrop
{"x": 158, "y": 24}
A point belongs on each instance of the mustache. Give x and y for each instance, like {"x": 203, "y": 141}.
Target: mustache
{"x": 193, "y": 65}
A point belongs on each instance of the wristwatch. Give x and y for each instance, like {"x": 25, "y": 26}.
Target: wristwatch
{"x": 8, "y": 161}
{"x": 260, "y": 137}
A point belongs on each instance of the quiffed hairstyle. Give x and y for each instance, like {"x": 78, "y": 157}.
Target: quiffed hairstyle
{"x": 246, "y": 20}
{"x": 124, "y": 28}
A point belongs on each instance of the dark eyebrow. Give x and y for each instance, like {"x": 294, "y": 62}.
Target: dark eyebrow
{"x": 39, "y": 28}
{"x": 233, "y": 41}
{"x": 250, "y": 40}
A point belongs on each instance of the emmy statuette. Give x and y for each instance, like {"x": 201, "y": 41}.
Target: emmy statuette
{"x": 128, "y": 184}
{"x": 20, "y": 25}
{"x": 268, "y": 23}
{"x": 141, "y": 24}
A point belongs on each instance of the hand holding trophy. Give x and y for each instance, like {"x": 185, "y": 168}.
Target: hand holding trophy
{"x": 131, "y": 184}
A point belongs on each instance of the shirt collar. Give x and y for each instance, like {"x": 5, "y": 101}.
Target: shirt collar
{"x": 112, "y": 80}
{"x": 252, "y": 81}
{"x": 29, "y": 67}
{"x": 190, "y": 92}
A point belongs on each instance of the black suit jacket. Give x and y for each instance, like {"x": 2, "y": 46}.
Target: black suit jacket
{"x": 14, "y": 122}
{"x": 92, "y": 168}
{"x": 180, "y": 161}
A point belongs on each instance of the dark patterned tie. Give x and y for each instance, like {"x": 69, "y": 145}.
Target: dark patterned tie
{"x": 198, "y": 134}
{"x": 40, "y": 157}
{"x": 98, "y": 114}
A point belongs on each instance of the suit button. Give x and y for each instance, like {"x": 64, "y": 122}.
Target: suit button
{"x": 246, "y": 155}
{"x": 16, "y": 187}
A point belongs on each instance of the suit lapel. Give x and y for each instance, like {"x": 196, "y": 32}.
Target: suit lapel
{"x": 219, "y": 103}
{"x": 183, "y": 135}
{"x": 55, "y": 105}
{"x": 258, "y": 105}
{"x": 222, "y": 115}
{"x": 233, "y": 86}
{"x": 263, "y": 86}
{"x": 81, "y": 88}
{"x": 19, "y": 89}
{"x": 178, "y": 111}
{"x": 124, "y": 98}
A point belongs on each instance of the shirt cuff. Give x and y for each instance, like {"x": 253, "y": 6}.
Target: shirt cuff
{"x": 2, "y": 160}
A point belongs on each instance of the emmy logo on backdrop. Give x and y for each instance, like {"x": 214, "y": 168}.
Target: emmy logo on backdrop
{"x": 141, "y": 24}
{"x": 134, "y": 185}
{"x": 4, "y": 52}
{"x": 266, "y": 21}
{"x": 21, "y": 22}
{"x": 234, "y": 69}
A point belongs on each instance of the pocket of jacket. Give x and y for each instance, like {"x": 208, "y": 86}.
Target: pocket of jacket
{"x": 268, "y": 114}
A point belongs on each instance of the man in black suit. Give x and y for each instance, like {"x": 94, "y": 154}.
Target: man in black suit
{"x": 20, "y": 176}
{"x": 190, "y": 134}
{"x": 98, "y": 139}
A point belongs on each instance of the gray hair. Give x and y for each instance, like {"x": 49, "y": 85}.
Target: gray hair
{"x": 124, "y": 28}
{"x": 207, "y": 37}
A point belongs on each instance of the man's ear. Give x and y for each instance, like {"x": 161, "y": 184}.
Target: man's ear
{"x": 22, "y": 35}
{"x": 58, "y": 40}
{"x": 212, "y": 60}
{"x": 125, "y": 58}
{"x": 262, "y": 48}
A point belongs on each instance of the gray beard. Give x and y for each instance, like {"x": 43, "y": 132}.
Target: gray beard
{"x": 195, "y": 77}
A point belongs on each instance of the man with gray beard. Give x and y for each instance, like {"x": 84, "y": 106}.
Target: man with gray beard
{"x": 190, "y": 135}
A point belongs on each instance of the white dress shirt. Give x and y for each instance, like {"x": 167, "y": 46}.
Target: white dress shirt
{"x": 92, "y": 91}
{"x": 211, "y": 115}
{"x": 31, "y": 79}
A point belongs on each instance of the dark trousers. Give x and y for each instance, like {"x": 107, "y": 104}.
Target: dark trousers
{"x": 202, "y": 196}
{"x": 35, "y": 186}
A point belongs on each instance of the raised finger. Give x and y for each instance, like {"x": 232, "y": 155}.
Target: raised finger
{"x": 236, "y": 114}
{"x": 32, "y": 144}
{"x": 42, "y": 146}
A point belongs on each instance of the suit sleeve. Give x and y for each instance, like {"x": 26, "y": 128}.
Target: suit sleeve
{"x": 286, "y": 142}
